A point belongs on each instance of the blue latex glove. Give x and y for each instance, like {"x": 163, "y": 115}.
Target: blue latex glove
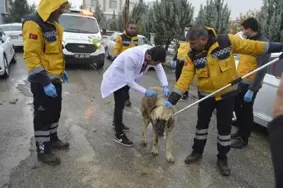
{"x": 249, "y": 96}
{"x": 151, "y": 93}
{"x": 65, "y": 77}
{"x": 50, "y": 90}
{"x": 168, "y": 104}
{"x": 166, "y": 91}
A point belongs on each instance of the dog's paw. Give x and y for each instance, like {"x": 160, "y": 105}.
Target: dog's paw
{"x": 154, "y": 152}
{"x": 144, "y": 143}
{"x": 170, "y": 159}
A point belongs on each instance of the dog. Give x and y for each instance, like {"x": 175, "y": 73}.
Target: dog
{"x": 162, "y": 120}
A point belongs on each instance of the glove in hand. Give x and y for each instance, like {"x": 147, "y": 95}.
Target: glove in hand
{"x": 151, "y": 93}
{"x": 50, "y": 90}
{"x": 249, "y": 96}
{"x": 166, "y": 91}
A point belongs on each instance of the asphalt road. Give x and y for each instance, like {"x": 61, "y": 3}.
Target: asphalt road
{"x": 96, "y": 161}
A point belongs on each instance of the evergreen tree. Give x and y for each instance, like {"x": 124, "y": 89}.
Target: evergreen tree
{"x": 169, "y": 18}
{"x": 271, "y": 17}
{"x": 214, "y": 14}
{"x": 139, "y": 17}
{"x": 18, "y": 10}
{"x": 113, "y": 22}
{"x": 99, "y": 15}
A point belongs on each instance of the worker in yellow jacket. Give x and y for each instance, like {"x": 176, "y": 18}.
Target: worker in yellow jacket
{"x": 249, "y": 86}
{"x": 179, "y": 60}
{"x": 123, "y": 42}
{"x": 42, "y": 37}
{"x": 211, "y": 60}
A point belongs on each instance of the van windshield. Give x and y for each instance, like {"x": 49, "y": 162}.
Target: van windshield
{"x": 77, "y": 24}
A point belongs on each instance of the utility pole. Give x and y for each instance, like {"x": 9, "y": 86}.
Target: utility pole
{"x": 126, "y": 13}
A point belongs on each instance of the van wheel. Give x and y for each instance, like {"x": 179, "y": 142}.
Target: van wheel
{"x": 6, "y": 67}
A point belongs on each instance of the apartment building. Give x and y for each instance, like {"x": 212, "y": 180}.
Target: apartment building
{"x": 109, "y": 6}
{"x": 3, "y": 10}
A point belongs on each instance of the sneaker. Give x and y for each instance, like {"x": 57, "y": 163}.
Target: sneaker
{"x": 223, "y": 168}
{"x": 238, "y": 143}
{"x": 125, "y": 128}
{"x": 194, "y": 157}
{"x": 122, "y": 139}
{"x": 128, "y": 103}
{"x": 235, "y": 135}
{"x": 59, "y": 144}
{"x": 48, "y": 158}
{"x": 184, "y": 97}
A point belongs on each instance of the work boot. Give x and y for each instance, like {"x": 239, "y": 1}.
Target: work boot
{"x": 194, "y": 157}
{"x": 125, "y": 128}
{"x": 223, "y": 168}
{"x": 238, "y": 143}
{"x": 128, "y": 103}
{"x": 59, "y": 144}
{"x": 48, "y": 158}
{"x": 235, "y": 135}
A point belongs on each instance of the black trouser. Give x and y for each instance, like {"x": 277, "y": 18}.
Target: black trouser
{"x": 224, "y": 116}
{"x": 47, "y": 111}
{"x": 120, "y": 96}
{"x": 178, "y": 71}
{"x": 127, "y": 94}
{"x": 244, "y": 113}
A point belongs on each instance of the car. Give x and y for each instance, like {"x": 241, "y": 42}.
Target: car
{"x": 7, "y": 54}
{"x": 82, "y": 38}
{"x": 14, "y": 31}
{"x": 142, "y": 40}
{"x": 266, "y": 95}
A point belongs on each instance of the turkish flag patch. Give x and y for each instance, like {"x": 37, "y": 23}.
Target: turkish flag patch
{"x": 33, "y": 36}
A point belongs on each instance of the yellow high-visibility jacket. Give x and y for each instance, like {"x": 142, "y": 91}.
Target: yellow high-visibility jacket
{"x": 43, "y": 44}
{"x": 183, "y": 50}
{"x": 124, "y": 42}
{"x": 215, "y": 68}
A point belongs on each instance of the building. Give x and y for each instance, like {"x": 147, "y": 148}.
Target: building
{"x": 109, "y": 6}
{"x": 3, "y": 10}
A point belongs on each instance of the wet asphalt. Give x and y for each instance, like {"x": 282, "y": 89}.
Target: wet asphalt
{"x": 94, "y": 160}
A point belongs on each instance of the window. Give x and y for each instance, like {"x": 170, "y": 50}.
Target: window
{"x": 11, "y": 28}
{"x": 114, "y": 36}
{"x": 77, "y": 24}
{"x": 143, "y": 40}
{"x": 113, "y": 4}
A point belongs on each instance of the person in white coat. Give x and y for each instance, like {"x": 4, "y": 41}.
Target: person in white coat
{"x": 125, "y": 71}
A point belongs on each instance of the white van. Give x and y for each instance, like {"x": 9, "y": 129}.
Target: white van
{"x": 82, "y": 38}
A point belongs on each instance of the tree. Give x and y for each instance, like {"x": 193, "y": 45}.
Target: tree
{"x": 271, "y": 17}
{"x": 32, "y": 8}
{"x": 169, "y": 18}
{"x": 99, "y": 15}
{"x": 214, "y": 14}
{"x": 235, "y": 25}
{"x": 18, "y": 10}
{"x": 113, "y": 22}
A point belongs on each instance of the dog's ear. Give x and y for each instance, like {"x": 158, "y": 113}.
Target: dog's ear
{"x": 170, "y": 122}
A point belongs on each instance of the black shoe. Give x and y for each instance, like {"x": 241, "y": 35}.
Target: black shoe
{"x": 48, "y": 158}
{"x": 128, "y": 103}
{"x": 59, "y": 144}
{"x": 122, "y": 139}
{"x": 223, "y": 168}
{"x": 184, "y": 97}
{"x": 235, "y": 135}
{"x": 238, "y": 143}
{"x": 125, "y": 128}
{"x": 194, "y": 157}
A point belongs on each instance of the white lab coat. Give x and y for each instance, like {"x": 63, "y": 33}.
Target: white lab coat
{"x": 125, "y": 70}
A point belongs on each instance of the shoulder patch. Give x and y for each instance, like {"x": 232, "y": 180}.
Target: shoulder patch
{"x": 33, "y": 36}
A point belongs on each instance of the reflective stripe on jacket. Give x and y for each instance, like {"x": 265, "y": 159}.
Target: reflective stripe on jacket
{"x": 124, "y": 42}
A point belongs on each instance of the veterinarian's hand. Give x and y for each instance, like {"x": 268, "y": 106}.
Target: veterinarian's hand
{"x": 166, "y": 91}
{"x": 168, "y": 104}
{"x": 151, "y": 93}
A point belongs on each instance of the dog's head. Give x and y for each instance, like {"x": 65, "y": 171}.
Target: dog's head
{"x": 162, "y": 118}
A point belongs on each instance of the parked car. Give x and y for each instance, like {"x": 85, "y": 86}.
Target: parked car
{"x": 266, "y": 95}
{"x": 7, "y": 54}
{"x": 80, "y": 30}
{"x": 14, "y": 31}
{"x": 111, "y": 41}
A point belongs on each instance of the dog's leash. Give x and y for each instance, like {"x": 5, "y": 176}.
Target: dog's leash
{"x": 236, "y": 81}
